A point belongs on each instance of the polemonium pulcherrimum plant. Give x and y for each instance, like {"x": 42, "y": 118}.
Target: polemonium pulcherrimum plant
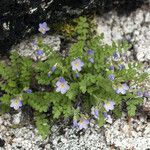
{"x": 90, "y": 77}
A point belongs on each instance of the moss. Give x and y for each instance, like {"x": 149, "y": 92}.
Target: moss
{"x": 67, "y": 28}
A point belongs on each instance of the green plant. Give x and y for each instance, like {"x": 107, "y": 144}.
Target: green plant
{"x": 92, "y": 75}
{"x": 42, "y": 124}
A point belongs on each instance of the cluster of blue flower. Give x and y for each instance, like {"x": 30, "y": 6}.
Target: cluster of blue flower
{"x": 83, "y": 122}
{"x": 62, "y": 85}
{"x": 77, "y": 64}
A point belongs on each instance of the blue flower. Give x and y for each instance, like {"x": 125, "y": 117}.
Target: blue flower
{"x": 111, "y": 77}
{"x": 29, "y": 91}
{"x": 77, "y": 74}
{"x": 91, "y": 60}
{"x": 140, "y": 94}
{"x": 107, "y": 118}
{"x": 109, "y": 105}
{"x": 53, "y": 69}
{"x": 83, "y": 123}
{"x": 116, "y": 56}
{"x": 43, "y": 28}
{"x": 75, "y": 123}
{"x": 90, "y": 52}
{"x": 111, "y": 68}
{"x": 146, "y": 94}
{"x": 39, "y": 52}
{"x": 49, "y": 74}
{"x": 122, "y": 66}
{"x": 122, "y": 89}
{"x": 77, "y": 65}
{"x": 62, "y": 85}
{"x": 95, "y": 112}
{"x": 16, "y": 103}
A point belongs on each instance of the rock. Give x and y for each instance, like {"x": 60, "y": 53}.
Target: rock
{"x": 1, "y": 121}
{"x": 117, "y": 134}
{"x": 16, "y": 118}
{"x": 142, "y": 46}
{"x": 139, "y": 17}
{"x": 2, "y": 143}
{"x": 147, "y": 131}
{"x": 117, "y": 33}
{"x": 63, "y": 140}
{"x": 48, "y": 146}
{"x": 103, "y": 28}
{"x": 129, "y": 26}
{"x": 20, "y": 19}
{"x": 133, "y": 28}
{"x": 125, "y": 137}
{"x": 147, "y": 17}
{"x": 146, "y": 105}
{"x": 29, "y": 47}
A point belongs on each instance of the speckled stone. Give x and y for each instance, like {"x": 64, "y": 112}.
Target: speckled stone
{"x": 134, "y": 28}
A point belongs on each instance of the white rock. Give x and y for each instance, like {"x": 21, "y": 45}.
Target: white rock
{"x": 147, "y": 17}
{"x": 117, "y": 33}
{"x": 47, "y": 146}
{"x": 128, "y": 26}
{"x": 28, "y": 47}
{"x": 1, "y": 120}
{"x": 104, "y": 28}
{"x": 16, "y": 118}
{"x": 147, "y": 130}
{"x": 138, "y": 17}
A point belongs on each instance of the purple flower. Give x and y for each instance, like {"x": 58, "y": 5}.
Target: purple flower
{"x": 49, "y": 74}
{"x": 107, "y": 118}
{"x": 116, "y": 56}
{"x": 109, "y": 105}
{"x": 122, "y": 89}
{"x": 111, "y": 68}
{"x": 140, "y": 94}
{"x": 16, "y": 103}
{"x": 75, "y": 123}
{"x": 95, "y": 112}
{"x": 39, "y": 52}
{"x": 83, "y": 124}
{"x": 91, "y": 60}
{"x": 77, "y": 65}
{"x": 53, "y": 68}
{"x": 43, "y": 28}
{"x": 90, "y": 52}
{"x": 29, "y": 91}
{"x": 146, "y": 94}
{"x": 77, "y": 74}
{"x": 111, "y": 77}
{"x": 122, "y": 66}
{"x": 34, "y": 43}
{"x": 62, "y": 85}
{"x": 125, "y": 86}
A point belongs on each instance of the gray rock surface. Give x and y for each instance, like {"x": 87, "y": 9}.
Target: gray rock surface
{"x": 135, "y": 28}
{"x": 29, "y": 47}
{"x": 120, "y": 135}
{"x": 16, "y": 137}
{"x": 16, "y": 118}
{"x": 128, "y": 135}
